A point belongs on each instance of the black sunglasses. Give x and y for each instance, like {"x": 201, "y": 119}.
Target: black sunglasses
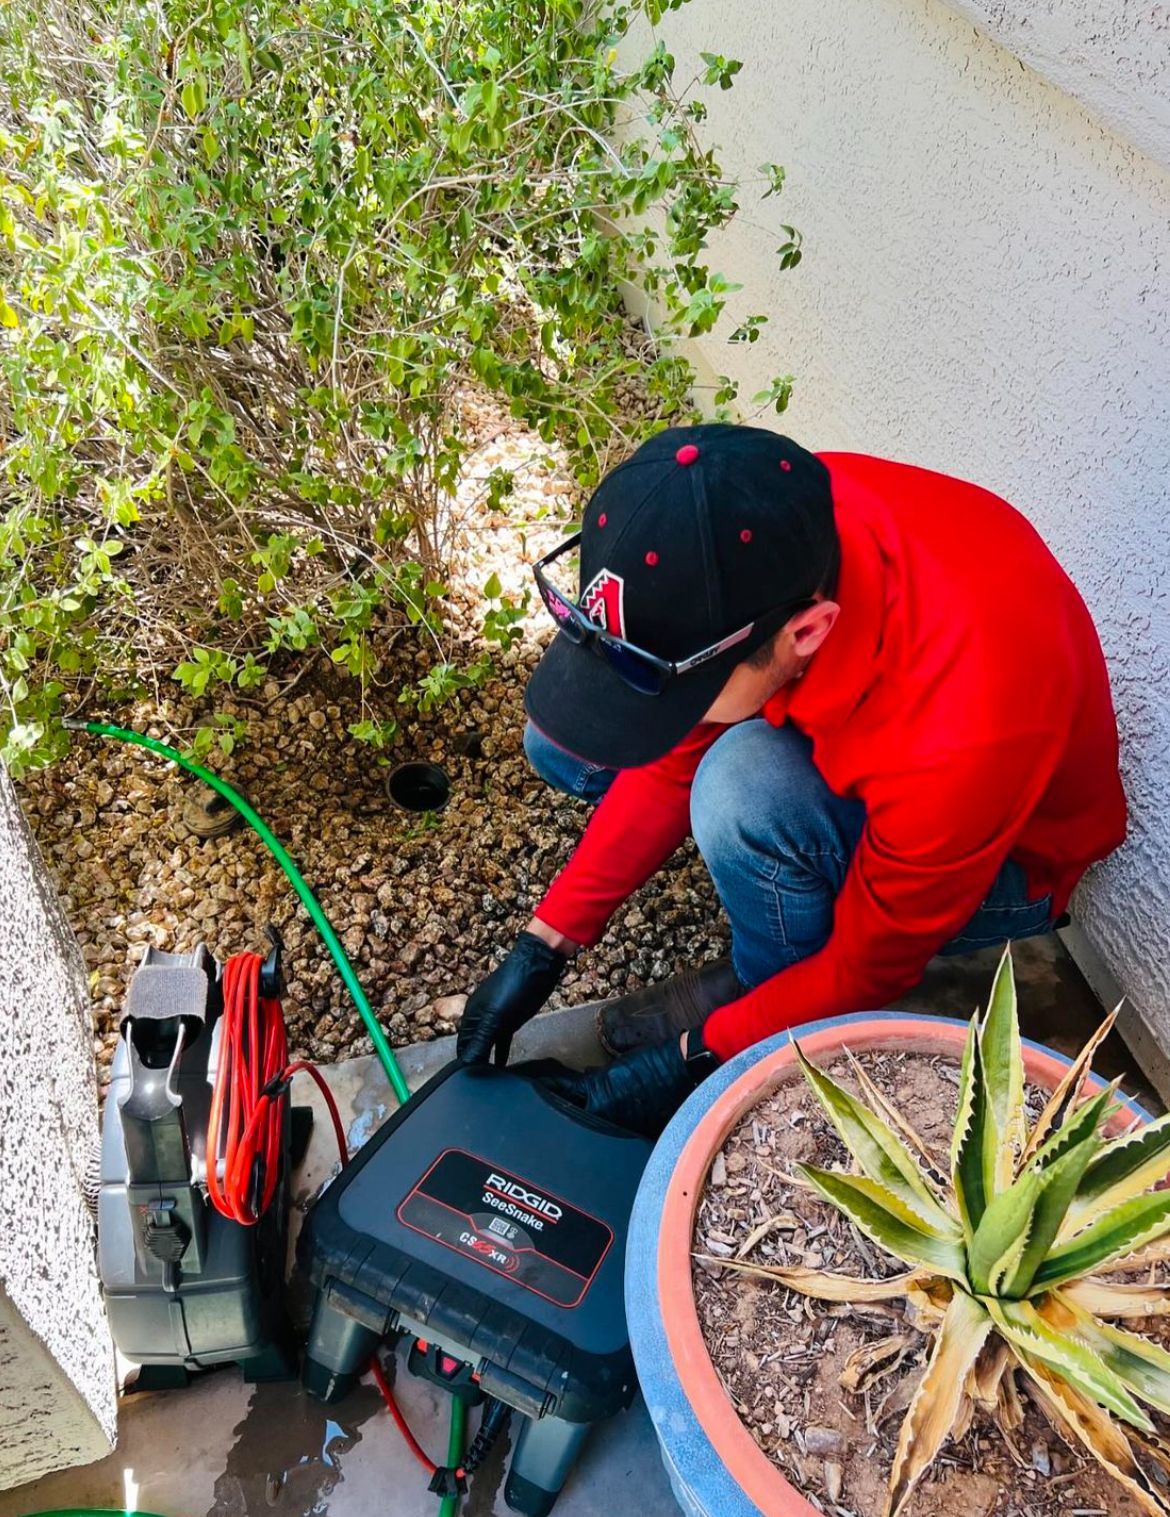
{"x": 638, "y": 667}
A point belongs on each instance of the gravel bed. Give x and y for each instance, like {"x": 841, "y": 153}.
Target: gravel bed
{"x": 424, "y": 908}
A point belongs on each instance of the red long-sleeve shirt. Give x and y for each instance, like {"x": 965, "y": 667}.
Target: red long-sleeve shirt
{"x": 962, "y": 695}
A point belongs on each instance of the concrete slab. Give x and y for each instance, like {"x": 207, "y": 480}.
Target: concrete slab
{"x": 224, "y": 1449}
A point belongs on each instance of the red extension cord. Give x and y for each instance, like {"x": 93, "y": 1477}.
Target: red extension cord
{"x": 247, "y": 1114}
{"x": 247, "y": 1101}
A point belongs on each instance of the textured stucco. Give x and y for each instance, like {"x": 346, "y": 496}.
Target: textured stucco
{"x": 984, "y": 291}
{"x": 1113, "y": 55}
{"x": 57, "y": 1393}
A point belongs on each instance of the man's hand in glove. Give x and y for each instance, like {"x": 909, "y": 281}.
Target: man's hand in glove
{"x": 507, "y": 999}
{"x": 642, "y": 1091}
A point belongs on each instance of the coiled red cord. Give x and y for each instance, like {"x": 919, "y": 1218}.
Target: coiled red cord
{"x": 244, "y": 1125}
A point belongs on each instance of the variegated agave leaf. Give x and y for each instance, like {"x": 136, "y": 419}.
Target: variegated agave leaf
{"x": 1143, "y": 1367}
{"x": 1002, "y": 1235}
{"x": 1058, "y": 1182}
{"x": 1029, "y": 1333}
{"x": 1122, "y": 1170}
{"x": 990, "y": 1127}
{"x": 1125, "y": 1230}
{"x": 1068, "y": 1408}
{"x": 967, "y": 1171}
{"x": 892, "y": 1225}
{"x": 939, "y": 1182}
{"x": 1148, "y": 1256}
{"x": 1085, "y": 1122}
{"x": 1019, "y": 1225}
{"x": 820, "y": 1283}
{"x": 939, "y": 1398}
{"x": 1064, "y": 1098}
{"x": 1003, "y": 1068}
{"x": 878, "y": 1151}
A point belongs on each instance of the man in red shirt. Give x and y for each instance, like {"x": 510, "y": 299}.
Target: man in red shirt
{"x": 868, "y": 690}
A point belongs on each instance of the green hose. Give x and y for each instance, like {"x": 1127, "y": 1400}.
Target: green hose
{"x": 278, "y": 851}
{"x": 323, "y": 925}
{"x": 455, "y": 1441}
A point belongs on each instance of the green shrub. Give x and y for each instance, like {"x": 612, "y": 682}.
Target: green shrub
{"x": 251, "y": 251}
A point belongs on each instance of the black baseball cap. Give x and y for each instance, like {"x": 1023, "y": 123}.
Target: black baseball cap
{"x": 699, "y": 532}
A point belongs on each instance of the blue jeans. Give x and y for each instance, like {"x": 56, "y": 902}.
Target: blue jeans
{"x": 777, "y": 843}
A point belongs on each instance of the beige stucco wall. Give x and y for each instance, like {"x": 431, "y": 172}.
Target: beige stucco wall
{"x": 985, "y": 291}
{"x": 1112, "y": 55}
{"x": 57, "y": 1393}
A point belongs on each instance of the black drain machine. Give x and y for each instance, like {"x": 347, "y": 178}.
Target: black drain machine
{"x": 485, "y": 1222}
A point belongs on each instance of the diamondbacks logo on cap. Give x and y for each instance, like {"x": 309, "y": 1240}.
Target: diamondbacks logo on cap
{"x": 603, "y": 603}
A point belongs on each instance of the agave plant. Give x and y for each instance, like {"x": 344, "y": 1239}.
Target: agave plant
{"x": 1012, "y": 1259}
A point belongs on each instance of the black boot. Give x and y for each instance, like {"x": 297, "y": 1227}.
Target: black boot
{"x": 667, "y": 1009}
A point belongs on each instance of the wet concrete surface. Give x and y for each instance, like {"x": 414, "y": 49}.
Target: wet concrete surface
{"x": 221, "y": 1448}
{"x": 224, "y": 1449}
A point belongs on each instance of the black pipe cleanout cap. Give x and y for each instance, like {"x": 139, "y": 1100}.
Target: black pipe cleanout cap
{"x": 417, "y": 786}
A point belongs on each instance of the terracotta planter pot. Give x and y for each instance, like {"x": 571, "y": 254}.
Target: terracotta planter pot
{"x": 714, "y": 1464}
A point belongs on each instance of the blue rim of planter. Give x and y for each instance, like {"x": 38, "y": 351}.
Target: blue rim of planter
{"x": 696, "y": 1470}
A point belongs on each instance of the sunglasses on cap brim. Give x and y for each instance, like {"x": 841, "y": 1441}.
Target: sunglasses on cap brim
{"x": 638, "y": 667}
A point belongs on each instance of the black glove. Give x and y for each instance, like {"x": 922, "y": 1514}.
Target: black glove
{"x": 642, "y": 1091}
{"x": 506, "y": 1000}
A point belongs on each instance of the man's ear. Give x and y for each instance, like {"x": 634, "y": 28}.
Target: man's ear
{"x": 810, "y": 628}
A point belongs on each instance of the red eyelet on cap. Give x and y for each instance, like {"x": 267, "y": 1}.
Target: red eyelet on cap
{"x": 745, "y": 536}
{"x": 785, "y": 465}
{"x": 602, "y": 519}
{"x": 686, "y": 454}
{"x": 652, "y": 559}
